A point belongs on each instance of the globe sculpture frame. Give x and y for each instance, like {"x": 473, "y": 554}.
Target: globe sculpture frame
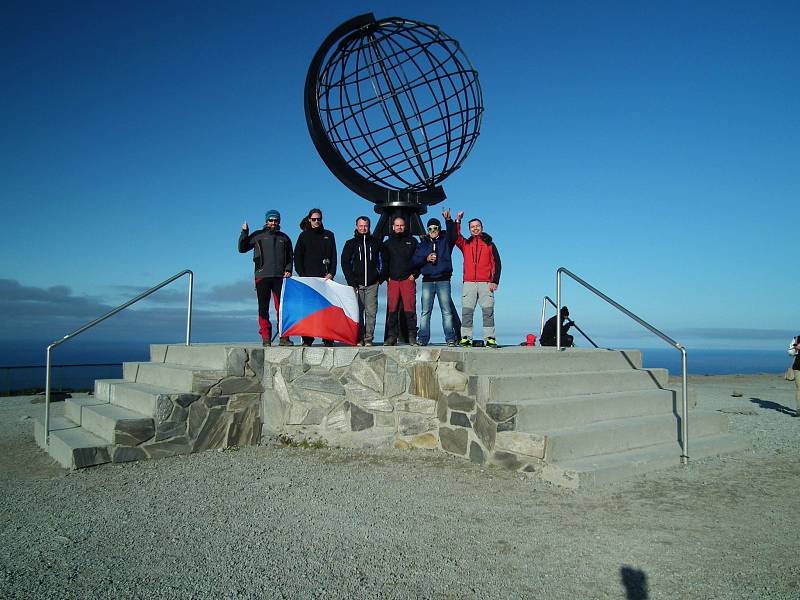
{"x": 393, "y": 107}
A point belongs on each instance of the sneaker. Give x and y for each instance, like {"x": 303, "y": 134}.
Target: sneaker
{"x": 491, "y": 342}
{"x": 285, "y": 342}
{"x": 421, "y": 343}
{"x": 465, "y": 342}
{"x": 368, "y": 343}
{"x": 451, "y": 343}
{"x": 412, "y": 342}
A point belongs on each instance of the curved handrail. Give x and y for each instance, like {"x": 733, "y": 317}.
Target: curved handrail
{"x": 643, "y": 323}
{"x": 547, "y": 299}
{"x": 111, "y": 313}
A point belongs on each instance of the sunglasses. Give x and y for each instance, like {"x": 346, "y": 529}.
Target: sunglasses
{"x": 434, "y": 228}
{"x": 273, "y": 220}
{"x": 315, "y": 219}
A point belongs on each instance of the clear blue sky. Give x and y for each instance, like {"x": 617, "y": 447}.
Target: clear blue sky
{"x": 652, "y": 148}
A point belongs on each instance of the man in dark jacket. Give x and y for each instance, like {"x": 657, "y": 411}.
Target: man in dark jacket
{"x": 434, "y": 259}
{"x": 481, "y": 279}
{"x": 361, "y": 265}
{"x": 548, "y": 337}
{"x": 272, "y": 255}
{"x": 315, "y": 254}
{"x": 398, "y": 267}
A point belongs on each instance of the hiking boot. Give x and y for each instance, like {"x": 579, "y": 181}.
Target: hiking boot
{"x": 421, "y": 343}
{"x": 465, "y": 342}
{"x": 285, "y": 342}
{"x": 327, "y": 343}
{"x": 368, "y": 343}
{"x": 390, "y": 342}
{"x": 491, "y": 342}
{"x": 266, "y": 343}
{"x": 451, "y": 343}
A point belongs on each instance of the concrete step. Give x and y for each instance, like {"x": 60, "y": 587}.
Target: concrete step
{"x": 203, "y": 356}
{"x": 71, "y": 446}
{"x": 506, "y": 388}
{"x": 601, "y": 470}
{"x": 621, "y": 435}
{"x": 74, "y": 406}
{"x": 537, "y": 360}
{"x": 139, "y": 397}
{"x": 117, "y": 425}
{"x": 183, "y": 379}
{"x": 574, "y": 411}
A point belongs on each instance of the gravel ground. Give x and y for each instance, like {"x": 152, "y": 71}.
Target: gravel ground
{"x": 288, "y": 523}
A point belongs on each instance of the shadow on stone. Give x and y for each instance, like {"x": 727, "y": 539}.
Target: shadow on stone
{"x": 769, "y": 405}
{"x": 635, "y": 583}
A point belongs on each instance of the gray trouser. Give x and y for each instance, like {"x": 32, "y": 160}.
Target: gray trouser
{"x": 477, "y": 292}
{"x": 368, "y": 310}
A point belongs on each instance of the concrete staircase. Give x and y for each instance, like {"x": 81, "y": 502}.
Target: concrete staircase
{"x": 159, "y": 408}
{"x": 583, "y": 416}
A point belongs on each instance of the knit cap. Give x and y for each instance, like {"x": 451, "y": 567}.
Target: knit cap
{"x": 272, "y": 214}
{"x": 434, "y": 221}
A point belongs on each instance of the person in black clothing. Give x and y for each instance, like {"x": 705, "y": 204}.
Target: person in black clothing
{"x": 272, "y": 255}
{"x": 398, "y": 269}
{"x": 361, "y": 265}
{"x": 548, "y": 337}
{"x": 315, "y": 254}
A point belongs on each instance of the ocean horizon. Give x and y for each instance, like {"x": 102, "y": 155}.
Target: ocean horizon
{"x": 21, "y": 365}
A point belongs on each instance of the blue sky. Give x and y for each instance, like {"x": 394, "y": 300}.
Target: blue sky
{"x": 652, "y": 148}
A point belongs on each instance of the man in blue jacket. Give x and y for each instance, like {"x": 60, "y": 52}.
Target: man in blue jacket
{"x": 434, "y": 259}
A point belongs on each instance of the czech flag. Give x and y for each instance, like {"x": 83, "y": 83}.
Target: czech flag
{"x": 317, "y": 307}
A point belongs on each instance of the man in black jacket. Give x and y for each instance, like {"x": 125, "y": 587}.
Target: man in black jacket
{"x": 315, "y": 254}
{"x": 398, "y": 268}
{"x": 361, "y": 265}
{"x": 272, "y": 255}
{"x": 548, "y": 337}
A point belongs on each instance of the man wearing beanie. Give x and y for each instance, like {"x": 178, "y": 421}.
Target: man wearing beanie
{"x": 399, "y": 270}
{"x": 272, "y": 255}
{"x": 434, "y": 259}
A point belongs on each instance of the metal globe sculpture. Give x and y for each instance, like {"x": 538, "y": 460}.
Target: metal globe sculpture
{"x": 393, "y": 106}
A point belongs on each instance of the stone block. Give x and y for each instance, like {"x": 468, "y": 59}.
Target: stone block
{"x": 243, "y": 402}
{"x": 370, "y": 372}
{"x": 416, "y": 404}
{"x": 173, "y": 447}
{"x": 476, "y": 454}
{"x": 427, "y": 441}
{"x": 164, "y": 407}
{"x": 402, "y": 444}
{"x": 236, "y": 385}
{"x": 197, "y": 416}
{"x": 360, "y": 419}
{"x": 158, "y": 353}
{"x": 256, "y": 362}
{"x": 315, "y": 416}
{"x": 450, "y": 378}
{"x": 441, "y": 410}
{"x": 392, "y": 366}
{"x": 214, "y": 432}
{"x": 343, "y": 357}
{"x": 215, "y": 401}
{"x": 313, "y": 398}
{"x": 184, "y": 400}
{"x": 313, "y": 356}
{"x": 338, "y": 420}
{"x": 414, "y": 424}
{"x": 394, "y": 383}
{"x": 472, "y": 386}
{"x": 509, "y": 425}
{"x": 423, "y": 380}
{"x": 297, "y": 413}
{"x": 235, "y": 360}
{"x": 454, "y": 440}
{"x": 458, "y": 402}
{"x": 366, "y": 398}
{"x": 485, "y": 429}
{"x": 282, "y": 355}
{"x": 319, "y": 380}
{"x": 526, "y": 444}
{"x": 170, "y": 429}
{"x": 501, "y": 412}
{"x": 132, "y": 432}
{"x": 459, "y": 419}
{"x": 244, "y": 428}
{"x": 274, "y": 412}
{"x": 291, "y": 372}
{"x": 122, "y": 454}
{"x": 383, "y": 419}
{"x": 88, "y": 457}
{"x": 178, "y": 414}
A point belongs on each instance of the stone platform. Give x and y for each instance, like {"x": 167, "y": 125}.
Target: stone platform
{"x": 579, "y": 416}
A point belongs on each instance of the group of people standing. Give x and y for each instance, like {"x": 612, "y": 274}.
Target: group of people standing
{"x": 368, "y": 261}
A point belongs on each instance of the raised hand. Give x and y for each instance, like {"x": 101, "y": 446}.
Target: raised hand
{"x": 459, "y": 215}
{"x": 446, "y": 214}
{"x": 244, "y": 226}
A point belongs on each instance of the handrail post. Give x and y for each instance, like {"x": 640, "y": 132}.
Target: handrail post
{"x": 47, "y": 399}
{"x": 541, "y": 328}
{"x": 558, "y": 310}
{"x": 189, "y": 311}
{"x": 685, "y": 416}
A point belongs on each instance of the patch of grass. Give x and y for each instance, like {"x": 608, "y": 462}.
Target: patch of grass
{"x": 288, "y": 441}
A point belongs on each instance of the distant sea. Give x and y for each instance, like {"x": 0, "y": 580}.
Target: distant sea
{"x": 699, "y": 362}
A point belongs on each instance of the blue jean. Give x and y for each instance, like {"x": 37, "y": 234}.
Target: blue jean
{"x": 441, "y": 289}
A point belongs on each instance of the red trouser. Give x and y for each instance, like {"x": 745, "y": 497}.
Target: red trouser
{"x": 266, "y": 286}
{"x": 405, "y": 290}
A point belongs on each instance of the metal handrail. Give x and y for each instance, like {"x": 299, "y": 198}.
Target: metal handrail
{"x": 111, "y": 313}
{"x": 575, "y": 325}
{"x": 643, "y": 323}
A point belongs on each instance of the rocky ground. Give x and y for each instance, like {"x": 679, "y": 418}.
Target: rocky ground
{"x": 290, "y": 522}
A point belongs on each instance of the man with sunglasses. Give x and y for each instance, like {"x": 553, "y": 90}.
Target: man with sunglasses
{"x": 434, "y": 259}
{"x": 272, "y": 255}
{"x": 397, "y": 253}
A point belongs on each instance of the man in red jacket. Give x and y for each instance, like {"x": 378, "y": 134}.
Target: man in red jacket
{"x": 481, "y": 278}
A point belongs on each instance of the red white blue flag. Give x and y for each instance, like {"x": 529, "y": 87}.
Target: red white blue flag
{"x": 317, "y": 307}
